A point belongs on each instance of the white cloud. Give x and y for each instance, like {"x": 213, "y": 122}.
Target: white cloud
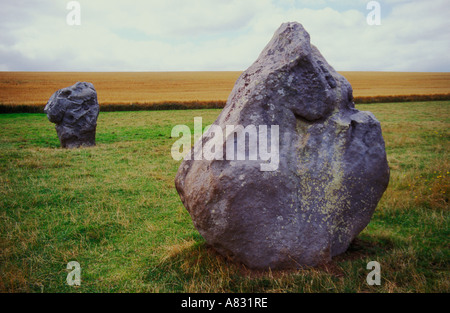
{"x": 163, "y": 35}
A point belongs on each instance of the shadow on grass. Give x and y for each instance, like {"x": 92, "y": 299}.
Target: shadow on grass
{"x": 197, "y": 267}
{"x": 366, "y": 246}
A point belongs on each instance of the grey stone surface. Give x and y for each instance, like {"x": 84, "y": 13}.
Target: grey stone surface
{"x": 332, "y": 169}
{"x": 74, "y": 110}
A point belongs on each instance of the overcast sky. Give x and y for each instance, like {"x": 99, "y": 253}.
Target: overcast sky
{"x": 198, "y": 35}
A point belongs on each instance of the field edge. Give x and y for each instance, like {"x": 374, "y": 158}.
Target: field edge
{"x": 212, "y": 104}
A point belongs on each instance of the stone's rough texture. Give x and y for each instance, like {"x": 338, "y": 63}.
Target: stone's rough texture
{"x": 74, "y": 110}
{"x": 332, "y": 171}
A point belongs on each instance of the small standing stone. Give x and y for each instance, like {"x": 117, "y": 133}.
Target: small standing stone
{"x": 74, "y": 110}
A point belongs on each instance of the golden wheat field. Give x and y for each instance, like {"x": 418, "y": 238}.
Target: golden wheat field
{"x": 35, "y": 88}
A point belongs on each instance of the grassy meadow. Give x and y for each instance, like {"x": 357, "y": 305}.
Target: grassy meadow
{"x": 114, "y": 209}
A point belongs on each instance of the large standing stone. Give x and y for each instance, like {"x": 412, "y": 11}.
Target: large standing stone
{"x": 74, "y": 110}
{"x": 332, "y": 163}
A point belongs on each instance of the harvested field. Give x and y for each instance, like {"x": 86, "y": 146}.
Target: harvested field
{"x": 35, "y": 88}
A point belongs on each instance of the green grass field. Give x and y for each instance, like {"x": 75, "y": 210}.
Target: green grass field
{"x": 114, "y": 209}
